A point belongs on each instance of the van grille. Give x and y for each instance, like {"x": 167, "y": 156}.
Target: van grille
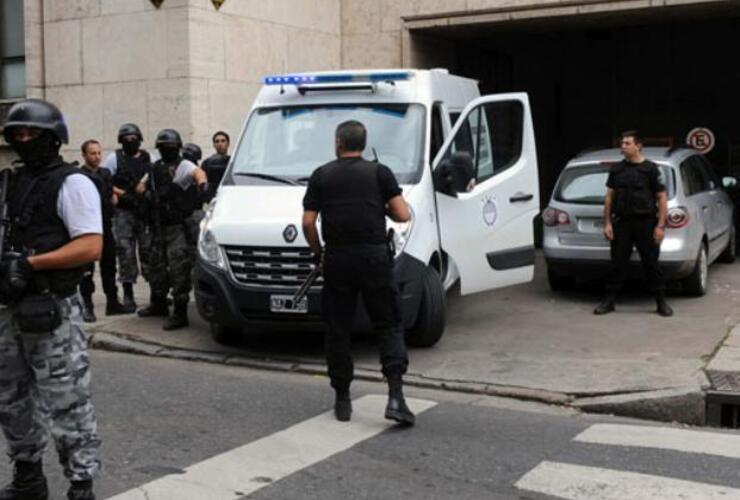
{"x": 276, "y": 267}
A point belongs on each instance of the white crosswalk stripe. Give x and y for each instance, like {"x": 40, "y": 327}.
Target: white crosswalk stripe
{"x": 246, "y": 469}
{"x": 580, "y": 482}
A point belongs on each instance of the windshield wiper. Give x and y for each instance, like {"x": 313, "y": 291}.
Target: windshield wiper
{"x": 274, "y": 178}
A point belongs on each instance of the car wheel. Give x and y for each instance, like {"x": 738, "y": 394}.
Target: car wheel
{"x": 730, "y": 252}
{"x": 224, "y": 334}
{"x": 430, "y": 322}
{"x": 696, "y": 283}
{"x": 559, "y": 282}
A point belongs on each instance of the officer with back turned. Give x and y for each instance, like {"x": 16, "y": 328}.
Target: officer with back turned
{"x": 55, "y": 230}
{"x": 353, "y": 197}
{"x": 635, "y": 211}
{"x": 171, "y": 260}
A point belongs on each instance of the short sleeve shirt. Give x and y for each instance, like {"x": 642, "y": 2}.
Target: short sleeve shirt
{"x": 78, "y": 205}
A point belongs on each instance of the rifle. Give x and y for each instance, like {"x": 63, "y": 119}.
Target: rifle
{"x": 306, "y": 286}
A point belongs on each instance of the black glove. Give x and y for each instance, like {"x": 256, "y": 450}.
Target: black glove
{"x": 15, "y": 276}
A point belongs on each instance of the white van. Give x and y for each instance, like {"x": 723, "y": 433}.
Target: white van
{"x": 252, "y": 256}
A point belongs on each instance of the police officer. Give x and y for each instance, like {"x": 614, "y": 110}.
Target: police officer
{"x": 635, "y": 210}
{"x": 128, "y": 165}
{"x": 353, "y": 197}
{"x": 171, "y": 257}
{"x": 56, "y": 230}
{"x": 193, "y": 154}
{"x": 92, "y": 155}
{"x": 215, "y": 165}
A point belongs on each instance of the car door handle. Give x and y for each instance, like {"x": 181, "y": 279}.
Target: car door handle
{"x": 521, "y": 197}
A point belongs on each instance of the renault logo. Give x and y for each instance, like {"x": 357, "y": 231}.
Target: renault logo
{"x": 290, "y": 233}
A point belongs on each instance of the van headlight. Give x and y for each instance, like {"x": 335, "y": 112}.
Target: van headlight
{"x": 400, "y": 232}
{"x": 209, "y": 249}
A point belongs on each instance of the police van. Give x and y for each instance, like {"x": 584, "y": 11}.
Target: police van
{"x": 467, "y": 165}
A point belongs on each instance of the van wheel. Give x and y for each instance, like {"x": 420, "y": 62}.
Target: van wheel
{"x": 559, "y": 282}
{"x": 696, "y": 283}
{"x": 430, "y": 323}
{"x": 224, "y": 334}
{"x": 730, "y": 252}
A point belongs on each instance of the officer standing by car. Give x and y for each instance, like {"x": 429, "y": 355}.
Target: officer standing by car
{"x": 193, "y": 154}
{"x": 128, "y": 165}
{"x": 215, "y": 165}
{"x": 91, "y": 153}
{"x": 55, "y": 229}
{"x": 353, "y": 197}
{"x": 635, "y": 211}
{"x": 171, "y": 260}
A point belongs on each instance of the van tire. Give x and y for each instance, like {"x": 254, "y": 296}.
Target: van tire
{"x": 730, "y": 252}
{"x": 224, "y": 334}
{"x": 560, "y": 282}
{"x": 695, "y": 284}
{"x": 430, "y": 321}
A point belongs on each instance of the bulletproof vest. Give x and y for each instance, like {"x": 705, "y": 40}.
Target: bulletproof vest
{"x": 632, "y": 193}
{"x": 352, "y": 205}
{"x": 129, "y": 172}
{"x": 35, "y": 225}
{"x": 215, "y": 167}
{"x": 104, "y": 182}
{"x": 175, "y": 206}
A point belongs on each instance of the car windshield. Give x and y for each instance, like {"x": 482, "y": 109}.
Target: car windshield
{"x": 586, "y": 184}
{"x": 290, "y": 142}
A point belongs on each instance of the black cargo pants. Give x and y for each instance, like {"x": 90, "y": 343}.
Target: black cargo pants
{"x": 629, "y": 232}
{"x": 349, "y": 272}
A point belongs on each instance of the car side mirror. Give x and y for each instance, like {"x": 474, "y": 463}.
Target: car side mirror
{"x": 729, "y": 182}
{"x": 455, "y": 174}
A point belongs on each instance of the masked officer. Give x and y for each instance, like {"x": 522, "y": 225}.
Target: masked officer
{"x": 635, "y": 210}
{"x": 353, "y": 197}
{"x": 171, "y": 257}
{"x": 128, "y": 165}
{"x": 193, "y": 154}
{"x": 215, "y": 165}
{"x": 56, "y": 229}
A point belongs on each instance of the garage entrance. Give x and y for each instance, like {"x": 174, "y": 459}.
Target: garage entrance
{"x": 663, "y": 71}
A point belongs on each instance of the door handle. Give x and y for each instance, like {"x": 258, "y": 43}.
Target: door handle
{"x": 518, "y": 197}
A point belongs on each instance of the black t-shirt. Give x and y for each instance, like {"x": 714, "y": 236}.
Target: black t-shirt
{"x": 351, "y": 194}
{"x": 635, "y": 187}
{"x": 214, "y": 166}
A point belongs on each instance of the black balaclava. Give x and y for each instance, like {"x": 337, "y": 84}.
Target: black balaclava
{"x": 170, "y": 153}
{"x": 39, "y": 152}
{"x": 131, "y": 147}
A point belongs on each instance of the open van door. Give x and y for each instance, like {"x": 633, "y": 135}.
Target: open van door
{"x": 486, "y": 226}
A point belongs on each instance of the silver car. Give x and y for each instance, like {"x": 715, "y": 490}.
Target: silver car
{"x": 699, "y": 226}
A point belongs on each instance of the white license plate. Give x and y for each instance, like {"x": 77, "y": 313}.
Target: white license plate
{"x": 284, "y": 304}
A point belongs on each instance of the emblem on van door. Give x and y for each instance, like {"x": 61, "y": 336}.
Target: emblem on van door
{"x": 290, "y": 233}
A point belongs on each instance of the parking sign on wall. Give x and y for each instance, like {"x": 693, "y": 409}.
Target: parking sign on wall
{"x": 701, "y": 139}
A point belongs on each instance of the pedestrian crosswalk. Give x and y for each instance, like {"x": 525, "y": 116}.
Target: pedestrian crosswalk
{"x": 579, "y": 482}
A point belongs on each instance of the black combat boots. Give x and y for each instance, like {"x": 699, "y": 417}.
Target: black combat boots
{"x": 343, "y": 405}
{"x": 113, "y": 307}
{"x": 607, "y": 305}
{"x": 157, "y": 307}
{"x": 81, "y": 490}
{"x": 88, "y": 310}
{"x": 28, "y": 483}
{"x": 178, "y": 318}
{"x": 663, "y": 308}
{"x": 396, "y": 408}
{"x": 129, "y": 304}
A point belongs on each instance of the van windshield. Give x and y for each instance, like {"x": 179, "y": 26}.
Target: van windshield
{"x": 290, "y": 142}
{"x": 586, "y": 184}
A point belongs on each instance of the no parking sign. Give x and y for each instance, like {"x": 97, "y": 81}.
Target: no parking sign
{"x": 701, "y": 139}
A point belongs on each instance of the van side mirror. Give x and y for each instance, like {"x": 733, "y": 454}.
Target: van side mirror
{"x": 729, "y": 182}
{"x": 455, "y": 174}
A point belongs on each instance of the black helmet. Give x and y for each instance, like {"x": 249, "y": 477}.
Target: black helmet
{"x": 192, "y": 152}
{"x": 129, "y": 129}
{"x": 36, "y": 113}
{"x": 168, "y": 136}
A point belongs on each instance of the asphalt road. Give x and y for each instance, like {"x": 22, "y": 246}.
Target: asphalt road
{"x": 263, "y": 435}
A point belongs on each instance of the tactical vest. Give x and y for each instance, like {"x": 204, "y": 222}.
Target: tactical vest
{"x": 129, "y": 172}
{"x": 632, "y": 193}
{"x": 35, "y": 225}
{"x": 175, "y": 205}
{"x": 104, "y": 182}
{"x": 215, "y": 167}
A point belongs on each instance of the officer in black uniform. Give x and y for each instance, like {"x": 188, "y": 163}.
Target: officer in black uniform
{"x": 91, "y": 153}
{"x": 171, "y": 257}
{"x": 192, "y": 153}
{"x": 215, "y": 165}
{"x": 353, "y": 197}
{"x": 635, "y": 210}
{"x": 55, "y": 229}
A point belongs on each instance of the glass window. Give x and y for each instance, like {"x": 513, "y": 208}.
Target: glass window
{"x": 586, "y": 184}
{"x": 714, "y": 181}
{"x": 694, "y": 177}
{"x": 12, "y": 50}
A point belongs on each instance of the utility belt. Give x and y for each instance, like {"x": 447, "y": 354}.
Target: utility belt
{"x": 633, "y": 217}
{"x": 37, "y": 312}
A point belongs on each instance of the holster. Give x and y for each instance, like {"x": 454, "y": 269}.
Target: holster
{"x": 38, "y": 313}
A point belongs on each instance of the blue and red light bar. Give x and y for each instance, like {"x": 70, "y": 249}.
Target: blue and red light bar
{"x": 380, "y": 76}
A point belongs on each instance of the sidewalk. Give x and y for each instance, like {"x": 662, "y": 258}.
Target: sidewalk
{"x": 524, "y": 341}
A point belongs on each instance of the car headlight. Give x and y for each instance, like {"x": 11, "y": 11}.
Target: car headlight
{"x": 208, "y": 248}
{"x": 401, "y": 231}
